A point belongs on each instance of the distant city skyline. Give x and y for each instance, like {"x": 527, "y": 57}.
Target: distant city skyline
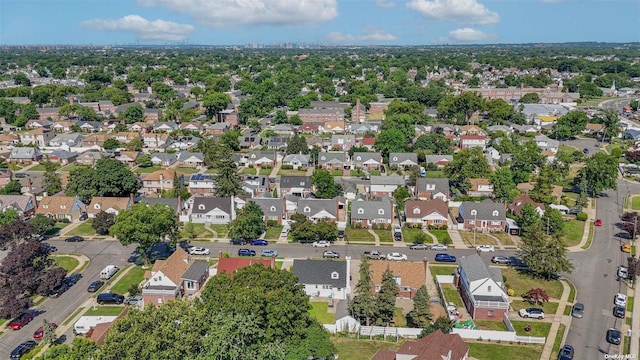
{"x": 322, "y": 22}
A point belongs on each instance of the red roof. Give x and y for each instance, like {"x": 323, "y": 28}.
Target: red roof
{"x": 368, "y": 140}
{"x": 231, "y": 265}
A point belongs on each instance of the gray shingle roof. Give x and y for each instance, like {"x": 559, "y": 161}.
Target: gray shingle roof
{"x": 195, "y": 271}
{"x": 369, "y": 210}
{"x": 270, "y": 206}
{"x": 361, "y": 157}
{"x": 432, "y": 159}
{"x": 441, "y": 185}
{"x": 486, "y": 210}
{"x": 223, "y": 204}
{"x": 295, "y": 181}
{"x": 319, "y": 272}
{"x": 315, "y": 206}
{"x": 333, "y": 157}
{"x": 403, "y": 159}
{"x": 393, "y": 179}
{"x": 476, "y": 269}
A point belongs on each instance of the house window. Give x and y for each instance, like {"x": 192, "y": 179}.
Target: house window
{"x": 474, "y": 213}
{"x": 489, "y": 288}
{"x": 395, "y": 158}
{"x": 335, "y": 275}
{"x": 220, "y": 217}
{"x": 201, "y": 207}
{"x": 377, "y": 288}
{"x": 159, "y": 300}
{"x": 45, "y": 206}
{"x": 358, "y": 158}
{"x": 437, "y": 221}
{"x": 495, "y": 212}
{"x": 398, "y": 280}
{"x": 63, "y": 206}
{"x": 273, "y": 208}
{"x": 495, "y": 223}
{"x": 380, "y": 211}
{"x": 191, "y": 285}
{"x": 416, "y": 211}
{"x": 326, "y": 287}
{"x": 307, "y": 209}
{"x": 360, "y": 211}
{"x": 96, "y": 206}
{"x": 490, "y": 313}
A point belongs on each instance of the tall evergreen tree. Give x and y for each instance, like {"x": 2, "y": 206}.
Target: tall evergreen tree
{"x": 363, "y": 306}
{"x": 387, "y": 298}
{"x": 420, "y": 316}
{"x": 227, "y": 180}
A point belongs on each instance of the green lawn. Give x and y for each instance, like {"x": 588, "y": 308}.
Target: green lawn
{"x": 635, "y": 203}
{"x": 14, "y": 167}
{"x": 572, "y": 293}
{"x": 66, "y": 262}
{"x": 409, "y": 235}
{"x": 522, "y": 282}
{"x": 538, "y": 328}
{"x": 558, "y": 341}
{"x": 72, "y": 167}
{"x": 361, "y": 349}
{"x": 384, "y": 235}
{"x": 442, "y": 270}
{"x": 442, "y": 236}
{"x": 485, "y": 351}
{"x": 221, "y": 230}
{"x": 265, "y": 171}
{"x": 39, "y": 167}
{"x": 337, "y": 172}
{"x": 249, "y": 171}
{"x": 630, "y": 304}
{"x": 56, "y": 228}
{"x": 273, "y": 232}
{"x": 132, "y": 277}
{"x": 505, "y": 238}
{"x": 147, "y": 170}
{"x": 292, "y": 172}
{"x": 399, "y": 319}
{"x": 481, "y": 239}
{"x": 573, "y": 230}
{"x": 200, "y": 230}
{"x": 104, "y": 311}
{"x": 549, "y": 308}
{"x": 490, "y": 325}
{"x": 319, "y": 311}
{"x": 435, "y": 174}
{"x": 452, "y": 295}
{"x": 359, "y": 235}
{"x": 187, "y": 170}
{"x": 84, "y": 229}
{"x": 571, "y": 198}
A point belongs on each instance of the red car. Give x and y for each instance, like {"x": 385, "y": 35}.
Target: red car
{"x": 598, "y": 222}
{"x": 20, "y": 321}
{"x": 39, "y": 334}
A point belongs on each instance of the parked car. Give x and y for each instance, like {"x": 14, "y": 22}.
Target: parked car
{"x": 20, "y": 321}
{"x": 439, "y": 247}
{"x": 110, "y": 298}
{"x": 50, "y": 248}
{"x": 330, "y": 254}
{"x": 72, "y": 279}
{"x": 321, "y": 243}
{"x": 585, "y": 151}
{"x": 39, "y": 334}
{"x": 485, "y": 248}
{"x": 622, "y": 273}
{"x": 620, "y": 299}
{"x": 83, "y": 217}
{"x": 23, "y": 348}
{"x": 246, "y": 252}
{"x": 535, "y": 313}
{"x": 418, "y": 247}
{"x": 133, "y": 300}
{"x": 284, "y": 232}
{"x": 619, "y": 311}
{"x": 614, "y": 336}
{"x": 74, "y": 239}
{"x": 268, "y": 252}
{"x": 501, "y": 260}
{"x": 566, "y": 353}
{"x": 395, "y": 256}
{"x": 95, "y": 286}
{"x": 598, "y": 222}
{"x": 238, "y": 242}
{"x": 59, "y": 290}
{"x": 259, "y": 242}
{"x": 198, "y": 250}
{"x": 578, "y": 310}
{"x": 445, "y": 258}
{"x": 374, "y": 255}
{"x": 626, "y": 248}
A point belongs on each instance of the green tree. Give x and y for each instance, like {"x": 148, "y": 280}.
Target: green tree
{"x": 249, "y": 224}
{"x": 325, "y": 230}
{"x": 280, "y": 118}
{"x": 13, "y": 187}
{"x": 543, "y": 189}
{"x": 600, "y": 172}
{"x": 467, "y": 164}
{"x": 552, "y": 221}
{"x": 391, "y": 140}
{"x": 529, "y": 218}
{"x": 525, "y": 157}
{"x": 215, "y": 102}
{"x": 103, "y": 222}
{"x": 42, "y": 224}
{"x": 145, "y": 225}
{"x": 364, "y": 306}
{"x": 325, "y": 185}
{"x": 189, "y": 230}
{"x": 402, "y": 122}
{"x": 21, "y": 79}
{"x": 420, "y": 316}
{"x": 132, "y": 114}
{"x": 111, "y": 144}
{"x": 144, "y": 161}
{"x": 52, "y": 183}
{"x": 162, "y": 91}
{"x": 226, "y": 179}
{"x": 442, "y": 323}
{"x": 504, "y": 188}
{"x": 231, "y": 139}
{"x": 612, "y": 125}
{"x": 135, "y": 145}
{"x": 434, "y": 143}
{"x": 297, "y": 145}
{"x": 80, "y": 349}
{"x": 109, "y": 178}
{"x": 387, "y": 298}
{"x": 400, "y": 195}
{"x": 571, "y": 124}
{"x": 545, "y": 255}
{"x": 48, "y": 333}
{"x": 530, "y": 98}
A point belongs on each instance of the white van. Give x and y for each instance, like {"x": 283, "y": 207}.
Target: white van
{"x": 108, "y": 272}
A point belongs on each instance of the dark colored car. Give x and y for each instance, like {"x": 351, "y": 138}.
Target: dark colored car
{"x": 20, "y": 321}
{"x": 614, "y": 336}
{"x": 566, "y": 353}
{"x": 259, "y": 242}
{"x": 340, "y": 234}
{"x": 95, "y": 286}
{"x": 110, "y": 298}
{"x": 39, "y": 334}
{"x": 445, "y": 258}
{"x": 83, "y": 217}
{"x": 23, "y": 348}
{"x": 72, "y": 279}
{"x": 619, "y": 312}
{"x": 50, "y": 248}
{"x": 238, "y": 242}
{"x": 74, "y": 239}
{"x": 246, "y": 252}
{"x": 59, "y": 290}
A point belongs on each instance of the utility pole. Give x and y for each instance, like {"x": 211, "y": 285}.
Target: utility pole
{"x": 475, "y": 219}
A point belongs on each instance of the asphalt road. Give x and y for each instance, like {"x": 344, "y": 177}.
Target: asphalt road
{"x": 616, "y": 104}
{"x": 583, "y": 143}
{"x": 595, "y": 280}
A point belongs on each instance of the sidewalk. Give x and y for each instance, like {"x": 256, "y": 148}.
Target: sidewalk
{"x": 433, "y": 237}
{"x": 634, "y": 347}
{"x": 559, "y": 318}
{"x": 456, "y": 239}
{"x": 591, "y": 216}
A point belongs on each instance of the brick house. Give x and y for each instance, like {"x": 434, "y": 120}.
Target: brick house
{"x": 484, "y": 216}
{"x": 425, "y": 213}
{"x": 273, "y": 208}
{"x": 367, "y": 213}
{"x": 481, "y": 288}
{"x": 110, "y": 205}
{"x": 410, "y": 276}
{"x": 480, "y": 187}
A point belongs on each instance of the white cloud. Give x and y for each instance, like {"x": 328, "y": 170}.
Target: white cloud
{"x": 462, "y": 11}
{"x": 234, "y": 13}
{"x": 371, "y": 35}
{"x": 469, "y": 35}
{"x": 385, "y": 4}
{"x": 143, "y": 28}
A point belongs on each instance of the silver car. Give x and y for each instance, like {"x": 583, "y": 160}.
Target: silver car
{"x": 439, "y": 247}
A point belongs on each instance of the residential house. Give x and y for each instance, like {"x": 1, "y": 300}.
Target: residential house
{"x": 409, "y": 276}
{"x": 218, "y": 128}
{"x": 62, "y": 157}
{"x": 435, "y": 346}
{"x": 89, "y": 158}
{"x": 319, "y": 209}
{"x": 160, "y": 180}
{"x": 470, "y": 130}
{"x": 263, "y": 159}
{"x": 9, "y": 140}
{"x": 277, "y": 143}
{"x": 256, "y": 185}
{"x": 342, "y": 142}
{"x": 522, "y": 200}
{"x": 432, "y": 188}
{"x": 128, "y": 157}
{"x": 283, "y": 129}
{"x": 210, "y": 210}
{"x": 190, "y": 159}
{"x": 196, "y": 126}
{"x": 473, "y": 141}
{"x": 38, "y": 124}
{"x": 69, "y": 140}
{"x": 324, "y": 279}
{"x": 296, "y": 160}
{"x": 556, "y": 191}
{"x": 332, "y": 160}
{"x": 163, "y": 159}
{"x": 164, "y": 127}
{"x": 126, "y": 137}
{"x": 60, "y": 207}
{"x": 439, "y": 160}
{"x": 110, "y": 205}
{"x": 25, "y": 205}
{"x": 481, "y": 289}
{"x": 367, "y": 213}
{"x": 139, "y": 127}
{"x": 152, "y": 115}
{"x": 248, "y": 139}
{"x": 333, "y": 126}
{"x": 184, "y": 143}
{"x": 230, "y": 265}
{"x": 314, "y": 140}
{"x": 485, "y": 215}
{"x": 308, "y": 128}
{"x": 273, "y": 208}
{"x": 175, "y": 203}
{"x": 295, "y": 185}
{"x": 499, "y": 128}
{"x": 96, "y": 140}
{"x": 195, "y": 277}
{"x": 91, "y": 126}
{"x": 367, "y": 160}
{"x": 24, "y": 155}
{"x": 49, "y": 113}
{"x": 39, "y": 137}
{"x": 545, "y": 143}
{"x": 156, "y": 141}
{"x": 403, "y": 160}
{"x": 201, "y": 184}
{"x": 480, "y": 187}
{"x": 385, "y": 185}
{"x": 426, "y": 213}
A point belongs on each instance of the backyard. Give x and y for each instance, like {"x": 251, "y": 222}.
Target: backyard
{"x": 187, "y": 170}
{"x": 319, "y": 311}
{"x": 573, "y": 230}
{"x": 147, "y": 170}
{"x": 485, "y": 351}
{"x": 361, "y": 349}
{"x": 292, "y": 172}
{"x": 361, "y": 235}
{"x": 132, "y": 277}
{"x": 538, "y": 328}
{"x": 451, "y": 295}
{"x": 521, "y": 283}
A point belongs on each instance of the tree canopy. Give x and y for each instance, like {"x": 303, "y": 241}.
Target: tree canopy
{"x": 110, "y": 178}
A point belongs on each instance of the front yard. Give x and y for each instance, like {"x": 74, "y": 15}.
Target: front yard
{"x": 132, "y": 277}
{"x": 273, "y": 232}
{"x": 384, "y": 235}
{"x": 504, "y": 238}
{"x": 410, "y": 235}
{"x": 481, "y": 239}
{"x": 635, "y": 203}
{"x": 538, "y": 328}
{"x": 66, "y": 262}
{"x": 200, "y": 231}
{"x": 220, "y": 230}
{"x": 442, "y": 236}
{"x": 521, "y": 283}
{"x": 83, "y": 229}
{"x": 361, "y": 235}
{"x": 573, "y": 230}
{"x": 549, "y": 308}
{"x": 104, "y": 311}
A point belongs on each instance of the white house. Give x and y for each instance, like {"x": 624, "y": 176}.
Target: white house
{"x": 385, "y": 185}
{"x": 86, "y": 323}
{"x": 324, "y": 279}
{"x": 213, "y": 210}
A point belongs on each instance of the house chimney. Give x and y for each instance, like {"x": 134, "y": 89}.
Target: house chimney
{"x": 179, "y": 205}
{"x": 30, "y": 184}
{"x": 273, "y": 262}
{"x": 35, "y": 201}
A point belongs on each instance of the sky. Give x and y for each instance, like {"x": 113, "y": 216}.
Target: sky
{"x": 324, "y": 22}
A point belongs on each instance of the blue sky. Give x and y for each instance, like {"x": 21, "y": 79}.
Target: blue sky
{"x": 327, "y": 22}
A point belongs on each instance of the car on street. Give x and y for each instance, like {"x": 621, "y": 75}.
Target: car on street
{"x": 585, "y": 151}
{"x": 626, "y": 248}
{"x": 110, "y": 298}
{"x": 133, "y": 300}
{"x": 620, "y": 299}
{"x": 622, "y": 273}
{"x": 238, "y": 242}
{"x": 39, "y": 334}
{"x": 50, "y": 248}
{"x": 485, "y": 248}
{"x": 619, "y": 312}
{"x": 535, "y": 313}
{"x": 418, "y": 247}
{"x": 321, "y": 243}
{"x": 259, "y": 242}
{"x": 74, "y": 239}
{"x": 503, "y": 260}
{"x": 268, "y": 252}
{"x": 374, "y": 255}
{"x": 72, "y": 279}
{"x": 198, "y": 250}
{"x": 578, "y": 310}
{"x": 396, "y": 256}
{"x": 23, "y": 348}
{"x": 95, "y": 286}
{"x": 598, "y": 222}
{"x": 20, "y": 321}
{"x": 439, "y": 247}
{"x": 329, "y": 254}
{"x": 445, "y": 258}
{"x": 614, "y": 336}
{"x": 566, "y": 353}
{"x": 59, "y": 290}
{"x": 246, "y": 252}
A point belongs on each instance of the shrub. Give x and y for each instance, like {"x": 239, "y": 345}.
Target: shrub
{"x": 65, "y": 220}
{"x": 134, "y": 290}
{"x": 581, "y": 216}
{"x": 225, "y": 255}
{"x": 511, "y": 292}
{"x": 420, "y": 238}
{"x": 271, "y": 223}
